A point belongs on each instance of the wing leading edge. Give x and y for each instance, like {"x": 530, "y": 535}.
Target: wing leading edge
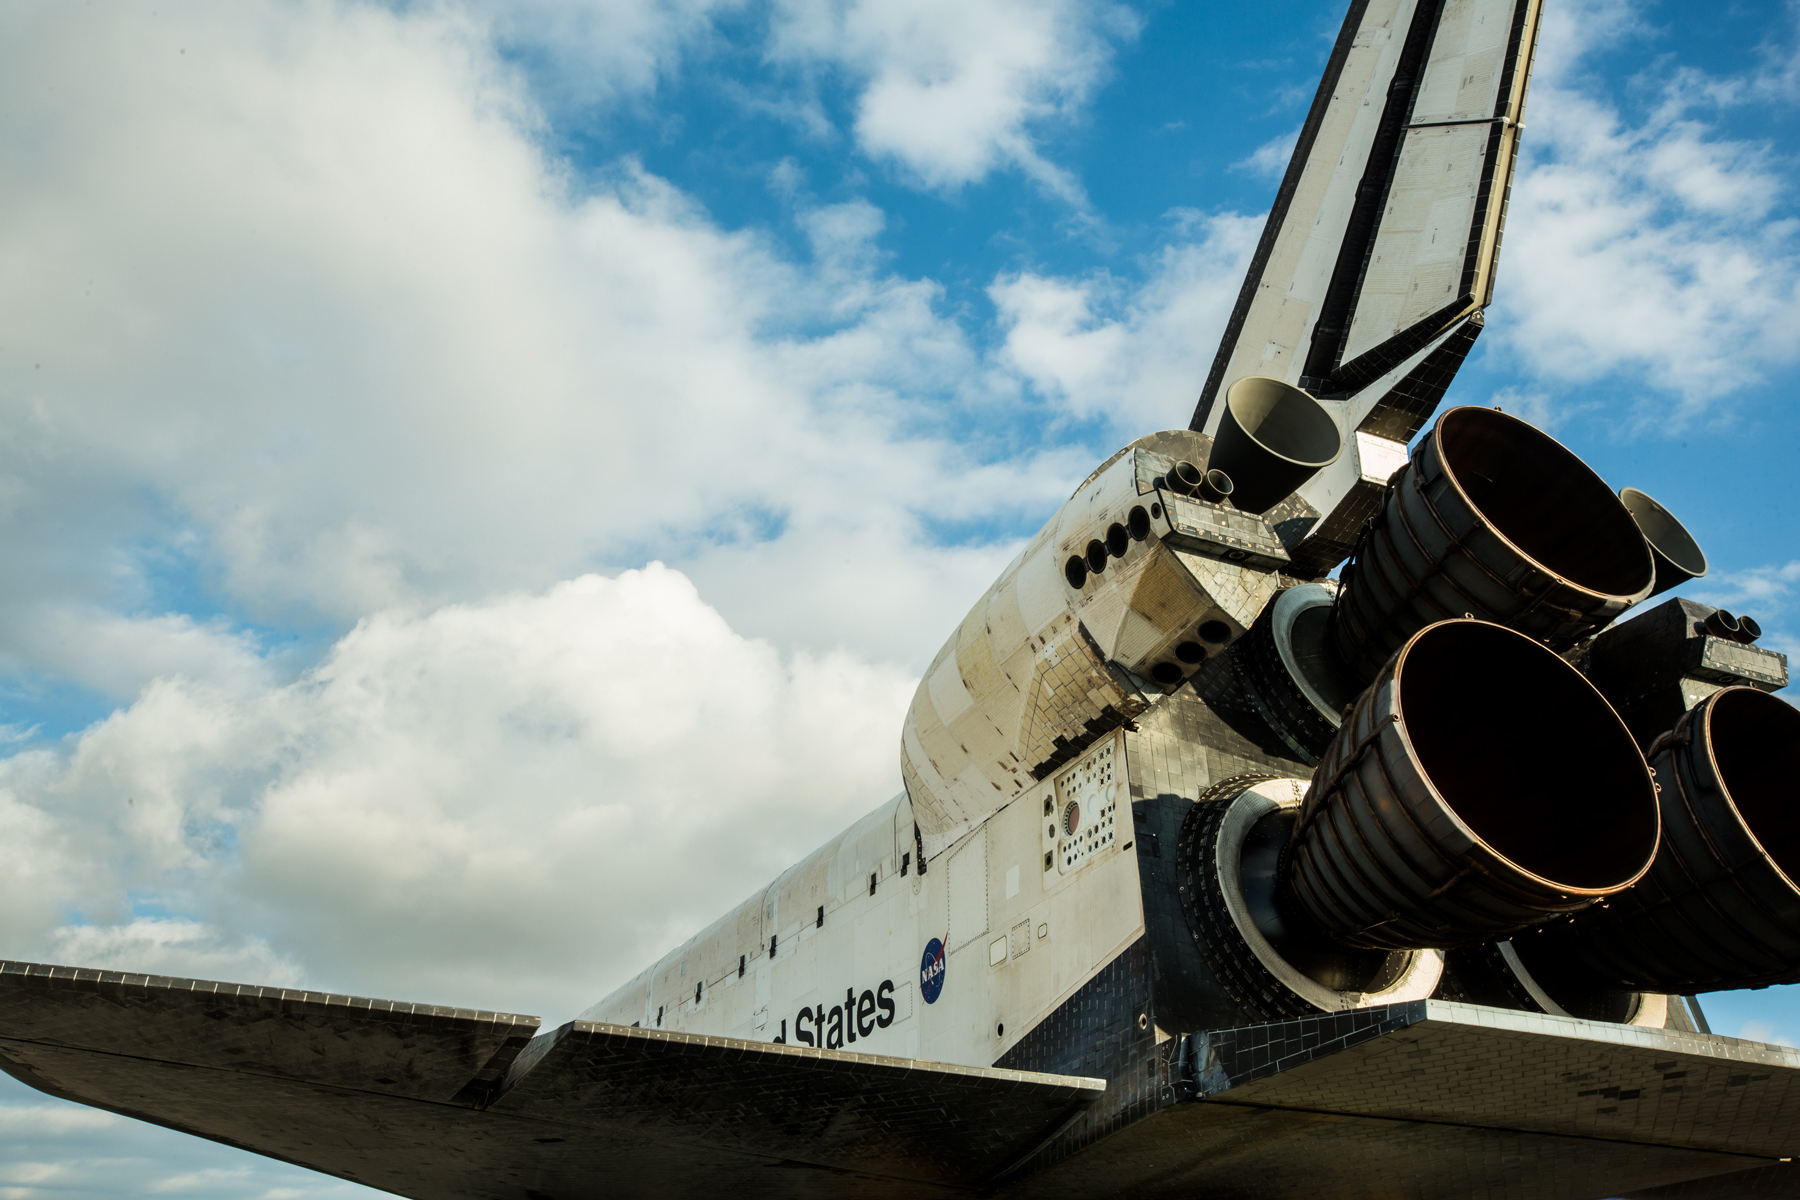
{"x": 440, "y": 1102}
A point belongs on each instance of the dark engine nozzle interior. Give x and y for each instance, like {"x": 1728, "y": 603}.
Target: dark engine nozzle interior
{"x": 1677, "y": 554}
{"x": 1496, "y": 520}
{"x": 1480, "y": 787}
{"x": 1272, "y": 438}
{"x": 1719, "y": 908}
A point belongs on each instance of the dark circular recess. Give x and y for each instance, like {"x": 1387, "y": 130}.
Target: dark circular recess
{"x": 1117, "y": 540}
{"x": 1216, "y": 632}
{"x": 1723, "y": 624}
{"x": 1075, "y": 571}
{"x": 1190, "y": 652}
{"x": 1000, "y": 1029}
{"x": 1545, "y": 500}
{"x": 1096, "y": 556}
{"x": 1756, "y": 744}
{"x": 1166, "y": 672}
{"x": 1156, "y": 510}
{"x": 1579, "y": 773}
{"x": 1137, "y": 521}
{"x": 1184, "y": 477}
{"x": 1748, "y": 630}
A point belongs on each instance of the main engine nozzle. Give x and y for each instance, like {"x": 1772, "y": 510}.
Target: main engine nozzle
{"x": 1720, "y": 908}
{"x": 1496, "y": 520}
{"x": 1480, "y": 787}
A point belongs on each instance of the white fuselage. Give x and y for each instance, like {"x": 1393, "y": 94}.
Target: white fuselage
{"x": 1014, "y": 762}
{"x": 1018, "y": 939}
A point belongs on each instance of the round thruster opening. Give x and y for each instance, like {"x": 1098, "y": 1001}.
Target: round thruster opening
{"x": 1096, "y": 556}
{"x": 1184, "y": 477}
{"x": 1166, "y": 673}
{"x": 1215, "y": 632}
{"x": 1117, "y": 540}
{"x": 1137, "y": 523}
{"x": 1075, "y": 571}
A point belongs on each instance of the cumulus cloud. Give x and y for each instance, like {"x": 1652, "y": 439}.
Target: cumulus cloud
{"x": 49, "y": 1149}
{"x": 1135, "y": 355}
{"x": 508, "y": 805}
{"x": 953, "y": 89}
{"x": 589, "y": 52}
{"x": 304, "y": 313}
{"x": 1270, "y": 160}
{"x": 1643, "y": 243}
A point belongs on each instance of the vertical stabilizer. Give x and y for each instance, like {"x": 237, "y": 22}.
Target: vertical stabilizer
{"x": 1384, "y": 235}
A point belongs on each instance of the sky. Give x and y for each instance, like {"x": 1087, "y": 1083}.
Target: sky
{"x": 480, "y": 480}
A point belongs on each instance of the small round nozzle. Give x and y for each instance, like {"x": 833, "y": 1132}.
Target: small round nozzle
{"x": 1678, "y": 556}
{"x": 1184, "y": 478}
{"x": 1720, "y": 623}
{"x": 1748, "y": 630}
{"x": 1215, "y": 486}
{"x": 1271, "y": 439}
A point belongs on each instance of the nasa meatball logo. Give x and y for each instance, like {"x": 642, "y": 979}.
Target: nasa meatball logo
{"x": 931, "y": 971}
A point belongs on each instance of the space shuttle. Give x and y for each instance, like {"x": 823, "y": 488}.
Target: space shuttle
{"x": 1322, "y": 803}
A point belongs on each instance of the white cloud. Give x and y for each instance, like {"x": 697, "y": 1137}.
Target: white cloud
{"x": 51, "y": 1149}
{"x": 1642, "y": 244}
{"x": 593, "y": 51}
{"x": 953, "y": 89}
{"x": 1762, "y": 1031}
{"x": 174, "y": 946}
{"x": 1270, "y": 160}
{"x": 310, "y": 317}
{"x": 1136, "y": 355}
{"x": 508, "y": 805}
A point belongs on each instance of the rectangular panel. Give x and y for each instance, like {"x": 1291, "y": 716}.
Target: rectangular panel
{"x": 968, "y": 890}
{"x": 1222, "y": 532}
{"x": 1417, "y": 263}
{"x": 1462, "y": 76}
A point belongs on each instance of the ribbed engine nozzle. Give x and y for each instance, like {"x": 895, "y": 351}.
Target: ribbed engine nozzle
{"x": 1495, "y": 520}
{"x": 1720, "y": 907}
{"x": 1479, "y": 787}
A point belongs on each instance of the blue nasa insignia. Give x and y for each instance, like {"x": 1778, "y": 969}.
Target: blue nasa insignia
{"x": 931, "y": 971}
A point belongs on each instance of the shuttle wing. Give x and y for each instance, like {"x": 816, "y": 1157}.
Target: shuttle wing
{"x": 1435, "y": 1099}
{"x": 1379, "y": 252}
{"x": 443, "y": 1102}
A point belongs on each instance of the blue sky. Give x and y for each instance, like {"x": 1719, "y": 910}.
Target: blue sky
{"x": 458, "y": 460}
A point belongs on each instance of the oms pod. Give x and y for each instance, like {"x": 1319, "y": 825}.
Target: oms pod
{"x": 1479, "y": 787}
{"x": 1490, "y": 519}
{"x": 1720, "y": 907}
